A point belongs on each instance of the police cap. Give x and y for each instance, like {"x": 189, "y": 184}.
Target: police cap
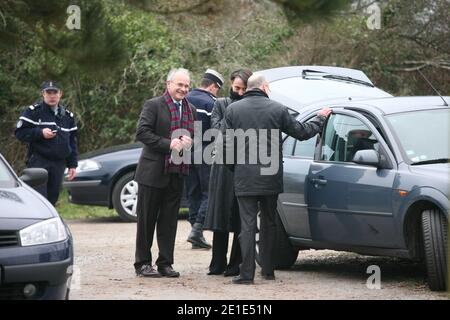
{"x": 214, "y": 76}
{"x": 50, "y": 85}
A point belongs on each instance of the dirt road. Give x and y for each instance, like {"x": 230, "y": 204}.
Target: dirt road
{"x": 104, "y": 255}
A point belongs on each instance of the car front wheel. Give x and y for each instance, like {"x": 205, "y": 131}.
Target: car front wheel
{"x": 435, "y": 237}
{"x": 124, "y": 197}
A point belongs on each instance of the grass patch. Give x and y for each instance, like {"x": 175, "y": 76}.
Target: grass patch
{"x": 70, "y": 211}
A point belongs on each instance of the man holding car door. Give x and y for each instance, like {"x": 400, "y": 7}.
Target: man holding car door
{"x": 258, "y": 183}
{"x": 50, "y": 131}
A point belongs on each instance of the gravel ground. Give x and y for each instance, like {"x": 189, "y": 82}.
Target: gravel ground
{"x": 104, "y": 256}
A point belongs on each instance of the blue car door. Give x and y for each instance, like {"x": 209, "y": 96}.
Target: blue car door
{"x": 297, "y": 157}
{"x": 349, "y": 203}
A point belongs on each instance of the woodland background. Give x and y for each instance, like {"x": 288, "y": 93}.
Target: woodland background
{"x": 124, "y": 49}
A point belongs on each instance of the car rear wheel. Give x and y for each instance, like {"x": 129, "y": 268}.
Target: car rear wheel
{"x": 124, "y": 197}
{"x": 435, "y": 237}
{"x": 285, "y": 254}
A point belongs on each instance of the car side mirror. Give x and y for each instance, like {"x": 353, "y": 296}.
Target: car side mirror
{"x": 368, "y": 157}
{"x": 34, "y": 176}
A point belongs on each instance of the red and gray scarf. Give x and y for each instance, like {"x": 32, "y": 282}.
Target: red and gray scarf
{"x": 186, "y": 122}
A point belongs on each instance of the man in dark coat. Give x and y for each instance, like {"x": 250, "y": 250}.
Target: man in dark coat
{"x": 165, "y": 126}
{"x": 258, "y": 182}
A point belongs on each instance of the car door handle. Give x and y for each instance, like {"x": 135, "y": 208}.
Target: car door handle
{"x": 318, "y": 182}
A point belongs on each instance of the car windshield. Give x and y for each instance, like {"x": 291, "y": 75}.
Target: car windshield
{"x": 6, "y": 178}
{"x": 423, "y": 135}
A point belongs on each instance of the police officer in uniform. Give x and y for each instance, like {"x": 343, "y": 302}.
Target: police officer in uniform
{"x": 50, "y": 131}
{"x": 203, "y": 99}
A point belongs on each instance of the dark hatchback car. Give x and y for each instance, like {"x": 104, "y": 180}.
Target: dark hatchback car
{"x": 36, "y": 249}
{"x": 105, "y": 178}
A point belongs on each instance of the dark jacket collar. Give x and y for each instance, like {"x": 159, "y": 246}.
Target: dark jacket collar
{"x": 60, "y": 108}
{"x": 255, "y": 93}
{"x": 204, "y": 91}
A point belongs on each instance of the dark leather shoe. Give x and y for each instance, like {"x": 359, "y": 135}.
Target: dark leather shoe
{"x": 240, "y": 280}
{"x": 148, "y": 271}
{"x": 215, "y": 269}
{"x": 199, "y": 242}
{"x": 269, "y": 276}
{"x": 231, "y": 272}
{"x": 197, "y": 247}
{"x": 214, "y": 273}
{"x": 196, "y": 236}
{"x": 168, "y": 272}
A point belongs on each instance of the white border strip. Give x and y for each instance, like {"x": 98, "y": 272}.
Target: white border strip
{"x": 204, "y": 111}
{"x": 47, "y": 124}
{"x": 38, "y": 123}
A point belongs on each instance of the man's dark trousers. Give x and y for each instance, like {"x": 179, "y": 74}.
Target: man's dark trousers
{"x": 55, "y": 170}
{"x": 157, "y": 206}
{"x": 248, "y": 209}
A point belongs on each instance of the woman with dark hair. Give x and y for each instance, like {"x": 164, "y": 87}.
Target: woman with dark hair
{"x": 222, "y": 215}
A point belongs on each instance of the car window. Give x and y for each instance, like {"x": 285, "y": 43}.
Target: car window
{"x": 297, "y": 148}
{"x": 423, "y": 135}
{"x": 293, "y": 112}
{"x": 6, "y": 178}
{"x": 288, "y": 146}
{"x": 344, "y": 136}
{"x": 306, "y": 148}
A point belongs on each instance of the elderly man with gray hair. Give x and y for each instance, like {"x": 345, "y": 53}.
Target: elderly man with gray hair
{"x": 160, "y": 179}
{"x": 255, "y": 187}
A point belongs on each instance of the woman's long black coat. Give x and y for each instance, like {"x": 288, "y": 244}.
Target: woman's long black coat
{"x": 223, "y": 213}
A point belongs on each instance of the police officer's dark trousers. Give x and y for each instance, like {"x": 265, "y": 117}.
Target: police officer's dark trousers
{"x": 55, "y": 171}
{"x": 248, "y": 210}
{"x": 157, "y": 207}
{"x": 197, "y": 191}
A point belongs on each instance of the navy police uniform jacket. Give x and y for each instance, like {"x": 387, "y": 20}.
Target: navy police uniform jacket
{"x": 203, "y": 101}
{"x": 63, "y": 147}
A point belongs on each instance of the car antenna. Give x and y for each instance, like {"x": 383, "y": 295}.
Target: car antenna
{"x": 435, "y": 90}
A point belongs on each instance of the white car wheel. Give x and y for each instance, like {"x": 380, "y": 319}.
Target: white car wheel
{"x": 128, "y": 197}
